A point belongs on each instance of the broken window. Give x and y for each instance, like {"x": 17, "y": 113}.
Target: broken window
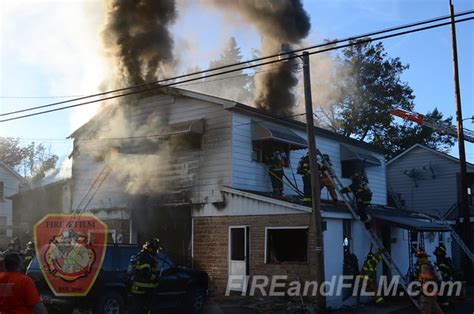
{"x": 286, "y": 245}
{"x": 261, "y": 151}
{"x": 349, "y": 167}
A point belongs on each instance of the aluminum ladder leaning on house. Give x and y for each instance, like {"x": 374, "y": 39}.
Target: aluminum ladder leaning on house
{"x": 453, "y": 232}
{"x": 373, "y": 236}
{"x": 95, "y": 186}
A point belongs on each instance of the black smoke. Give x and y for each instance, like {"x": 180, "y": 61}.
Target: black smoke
{"x": 278, "y": 22}
{"x": 136, "y": 35}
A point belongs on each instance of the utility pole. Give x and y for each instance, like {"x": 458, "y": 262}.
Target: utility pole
{"x": 315, "y": 193}
{"x": 464, "y": 208}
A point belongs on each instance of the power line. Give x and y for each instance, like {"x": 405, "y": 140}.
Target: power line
{"x": 283, "y": 59}
{"x": 240, "y": 63}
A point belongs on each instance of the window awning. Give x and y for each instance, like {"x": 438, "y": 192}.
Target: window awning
{"x": 263, "y": 131}
{"x": 193, "y": 126}
{"x": 351, "y": 153}
{"x": 409, "y": 223}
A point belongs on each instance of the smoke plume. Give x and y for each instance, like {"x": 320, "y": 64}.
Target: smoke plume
{"x": 136, "y": 35}
{"x": 278, "y": 22}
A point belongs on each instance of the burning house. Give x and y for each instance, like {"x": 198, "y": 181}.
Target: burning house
{"x": 198, "y": 182}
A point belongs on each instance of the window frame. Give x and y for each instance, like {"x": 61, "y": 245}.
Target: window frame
{"x": 266, "y": 248}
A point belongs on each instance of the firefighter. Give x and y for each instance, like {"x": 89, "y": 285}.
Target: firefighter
{"x": 275, "y": 162}
{"x": 427, "y": 274}
{"x": 362, "y": 195}
{"x": 369, "y": 272}
{"x": 324, "y": 181}
{"x": 305, "y": 172}
{"x": 143, "y": 277}
{"x": 28, "y": 254}
{"x": 446, "y": 270}
{"x": 350, "y": 267}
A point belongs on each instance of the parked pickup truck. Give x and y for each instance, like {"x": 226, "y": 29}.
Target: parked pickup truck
{"x": 180, "y": 288}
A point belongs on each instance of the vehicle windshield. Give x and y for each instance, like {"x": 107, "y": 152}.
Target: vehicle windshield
{"x": 164, "y": 262}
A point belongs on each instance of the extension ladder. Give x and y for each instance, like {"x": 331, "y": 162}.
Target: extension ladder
{"x": 371, "y": 233}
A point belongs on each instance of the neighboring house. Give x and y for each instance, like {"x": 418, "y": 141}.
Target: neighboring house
{"x": 32, "y": 204}
{"x": 210, "y": 202}
{"x": 10, "y": 182}
{"x": 427, "y": 181}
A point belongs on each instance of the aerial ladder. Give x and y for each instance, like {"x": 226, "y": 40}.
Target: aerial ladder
{"x": 404, "y": 282}
{"x": 423, "y": 120}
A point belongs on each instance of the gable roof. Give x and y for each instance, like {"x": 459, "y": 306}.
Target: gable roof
{"x": 13, "y": 172}
{"x": 230, "y": 105}
{"x": 454, "y": 159}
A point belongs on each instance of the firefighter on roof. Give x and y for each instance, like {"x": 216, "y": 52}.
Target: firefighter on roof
{"x": 446, "y": 270}
{"x": 275, "y": 161}
{"x": 362, "y": 195}
{"x": 427, "y": 279}
{"x": 143, "y": 277}
{"x": 324, "y": 181}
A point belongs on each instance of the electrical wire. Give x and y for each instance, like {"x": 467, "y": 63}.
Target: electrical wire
{"x": 238, "y": 69}
{"x": 353, "y": 38}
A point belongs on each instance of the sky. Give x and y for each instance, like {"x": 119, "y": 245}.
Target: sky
{"x": 51, "y": 51}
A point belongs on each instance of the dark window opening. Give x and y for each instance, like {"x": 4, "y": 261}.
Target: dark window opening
{"x": 260, "y": 149}
{"x": 2, "y": 191}
{"x": 237, "y": 252}
{"x": 349, "y": 167}
{"x": 287, "y": 245}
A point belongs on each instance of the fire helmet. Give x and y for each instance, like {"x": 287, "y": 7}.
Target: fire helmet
{"x": 421, "y": 253}
{"x": 152, "y": 245}
{"x": 440, "y": 250}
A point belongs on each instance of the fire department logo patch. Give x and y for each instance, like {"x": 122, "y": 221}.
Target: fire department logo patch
{"x": 70, "y": 250}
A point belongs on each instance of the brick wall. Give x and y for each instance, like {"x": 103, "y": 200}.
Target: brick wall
{"x": 211, "y": 247}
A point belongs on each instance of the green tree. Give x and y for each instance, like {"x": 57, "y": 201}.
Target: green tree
{"x": 32, "y": 160}
{"x": 371, "y": 86}
{"x": 235, "y": 85}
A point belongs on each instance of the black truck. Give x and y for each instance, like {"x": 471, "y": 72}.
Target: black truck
{"x": 179, "y": 288}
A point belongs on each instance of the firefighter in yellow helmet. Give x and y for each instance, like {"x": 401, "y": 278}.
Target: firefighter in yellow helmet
{"x": 427, "y": 279}
{"x": 369, "y": 272}
{"x": 143, "y": 277}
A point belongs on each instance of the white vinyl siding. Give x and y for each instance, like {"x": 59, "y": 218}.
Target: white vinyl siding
{"x": 248, "y": 174}
{"x": 438, "y": 193}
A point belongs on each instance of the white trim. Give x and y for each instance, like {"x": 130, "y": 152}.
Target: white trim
{"x": 280, "y": 227}
{"x": 430, "y": 150}
{"x": 296, "y": 207}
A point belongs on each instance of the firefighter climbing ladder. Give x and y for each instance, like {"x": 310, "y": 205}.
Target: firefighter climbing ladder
{"x": 373, "y": 236}
{"x": 438, "y": 127}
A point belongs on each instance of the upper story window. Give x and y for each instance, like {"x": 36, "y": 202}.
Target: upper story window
{"x": 354, "y": 160}
{"x": 268, "y": 139}
{"x": 174, "y": 137}
{"x": 2, "y": 191}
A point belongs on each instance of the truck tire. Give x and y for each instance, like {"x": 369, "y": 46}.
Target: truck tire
{"x": 196, "y": 300}
{"x": 110, "y": 303}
